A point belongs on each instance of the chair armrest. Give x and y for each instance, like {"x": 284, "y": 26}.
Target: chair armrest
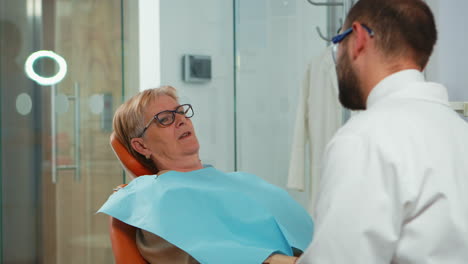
{"x": 123, "y": 239}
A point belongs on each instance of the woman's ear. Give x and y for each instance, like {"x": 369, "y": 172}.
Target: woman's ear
{"x": 139, "y": 146}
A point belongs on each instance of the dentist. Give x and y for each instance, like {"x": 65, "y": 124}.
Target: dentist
{"x": 395, "y": 178}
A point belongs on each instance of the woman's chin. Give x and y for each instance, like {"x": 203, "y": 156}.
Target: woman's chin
{"x": 192, "y": 149}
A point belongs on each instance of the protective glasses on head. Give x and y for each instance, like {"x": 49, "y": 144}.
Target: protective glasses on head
{"x": 340, "y": 37}
{"x": 167, "y": 117}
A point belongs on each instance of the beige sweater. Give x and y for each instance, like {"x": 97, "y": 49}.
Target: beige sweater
{"x": 157, "y": 250}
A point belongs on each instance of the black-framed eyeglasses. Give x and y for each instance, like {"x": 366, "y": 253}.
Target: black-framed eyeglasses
{"x": 340, "y": 37}
{"x": 167, "y": 117}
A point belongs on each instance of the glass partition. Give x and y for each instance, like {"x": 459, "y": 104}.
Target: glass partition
{"x": 57, "y": 168}
{"x": 275, "y": 42}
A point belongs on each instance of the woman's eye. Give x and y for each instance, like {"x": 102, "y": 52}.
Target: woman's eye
{"x": 164, "y": 120}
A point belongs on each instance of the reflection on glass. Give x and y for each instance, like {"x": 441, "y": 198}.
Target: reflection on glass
{"x": 96, "y": 103}
{"x": 61, "y": 103}
{"x": 23, "y": 104}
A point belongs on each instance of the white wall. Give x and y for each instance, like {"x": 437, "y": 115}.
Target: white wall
{"x": 276, "y": 39}
{"x": 149, "y": 71}
{"x": 203, "y": 27}
{"x": 449, "y": 63}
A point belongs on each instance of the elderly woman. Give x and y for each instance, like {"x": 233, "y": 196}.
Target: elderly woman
{"x": 188, "y": 213}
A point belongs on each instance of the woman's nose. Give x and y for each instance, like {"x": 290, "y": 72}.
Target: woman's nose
{"x": 179, "y": 120}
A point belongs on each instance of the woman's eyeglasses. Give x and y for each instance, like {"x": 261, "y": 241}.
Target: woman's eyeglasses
{"x": 167, "y": 117}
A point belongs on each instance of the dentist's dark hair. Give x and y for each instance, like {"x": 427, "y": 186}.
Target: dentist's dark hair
{"x": 402, "y": 27}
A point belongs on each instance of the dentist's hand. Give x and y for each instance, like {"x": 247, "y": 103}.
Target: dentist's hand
{"x": 280, "y": 259}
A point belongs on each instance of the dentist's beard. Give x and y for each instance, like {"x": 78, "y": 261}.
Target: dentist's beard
{"x": 350, "y": 94}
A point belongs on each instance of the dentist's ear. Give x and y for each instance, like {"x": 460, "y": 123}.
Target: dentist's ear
{"x": 360, "y": 40}
{"x": 139, "y": 146}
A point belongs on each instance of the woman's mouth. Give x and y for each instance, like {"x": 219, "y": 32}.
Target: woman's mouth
{"x": 185, "y": 135}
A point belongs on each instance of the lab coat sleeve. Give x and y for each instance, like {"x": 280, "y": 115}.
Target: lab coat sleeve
{"x": 296, "y": 172}
{"x": 357, "y": 220}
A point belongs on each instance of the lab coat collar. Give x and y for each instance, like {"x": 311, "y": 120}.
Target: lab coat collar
{"x": 407, "y": 84}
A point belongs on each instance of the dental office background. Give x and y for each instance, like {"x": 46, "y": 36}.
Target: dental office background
{"x": 56, "y": 164}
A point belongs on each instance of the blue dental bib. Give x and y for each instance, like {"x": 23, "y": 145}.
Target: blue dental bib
{"x": 215, "y": 217}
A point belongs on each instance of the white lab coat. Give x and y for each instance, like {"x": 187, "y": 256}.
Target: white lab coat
{"x": 395, "y": 181}
{"x": 318, "y": 117}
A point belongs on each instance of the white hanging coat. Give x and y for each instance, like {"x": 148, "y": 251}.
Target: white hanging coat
{"x": 318, "y": 117}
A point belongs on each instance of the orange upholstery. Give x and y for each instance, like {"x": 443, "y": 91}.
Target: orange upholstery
{"x": 122, "y": 235}
{"x": 131, "y": 165}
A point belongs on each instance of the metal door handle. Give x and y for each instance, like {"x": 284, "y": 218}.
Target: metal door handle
{"x": 77, "y": 165}
{"x": 53, "y": 132}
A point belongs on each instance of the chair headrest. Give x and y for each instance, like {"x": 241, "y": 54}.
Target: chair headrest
{"x": 127, "y": 160}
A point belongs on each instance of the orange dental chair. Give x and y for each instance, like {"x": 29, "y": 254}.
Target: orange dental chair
{"x": 122, "y": 235}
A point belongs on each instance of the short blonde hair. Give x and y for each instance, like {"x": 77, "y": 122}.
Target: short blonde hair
{"x": 129, "y": 119}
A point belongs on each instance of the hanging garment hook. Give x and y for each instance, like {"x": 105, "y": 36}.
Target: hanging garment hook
{"x": 321, "y": 35}
{"x": 338, "y": 29}
{"x": 325, "y": 3}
